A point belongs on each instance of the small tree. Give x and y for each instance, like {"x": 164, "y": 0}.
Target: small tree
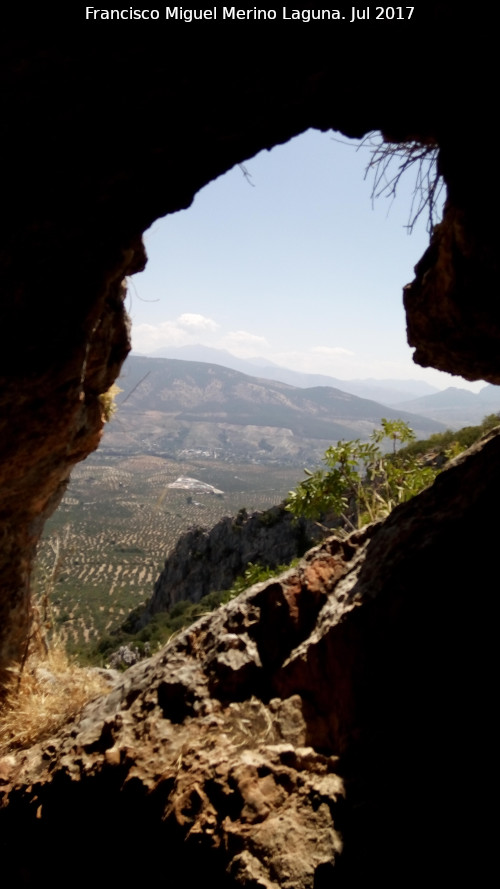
{"x": 361, "y": 483}
{"x": 396, "y": 430}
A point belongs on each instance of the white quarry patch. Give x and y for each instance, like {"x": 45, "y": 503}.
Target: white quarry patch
{"x": 193, "y": 484}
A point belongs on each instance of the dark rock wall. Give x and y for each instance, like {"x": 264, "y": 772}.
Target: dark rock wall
{"x": 452, "y": 310}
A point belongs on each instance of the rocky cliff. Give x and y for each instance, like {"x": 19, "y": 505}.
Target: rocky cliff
{"x": 206, "y": 560}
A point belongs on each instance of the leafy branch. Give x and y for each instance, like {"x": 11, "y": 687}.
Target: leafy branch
{"x": 361, "y": 483}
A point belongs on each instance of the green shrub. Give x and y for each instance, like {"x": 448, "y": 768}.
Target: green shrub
{"x": 361, "y": 483}
{"x": 450, "y": 443}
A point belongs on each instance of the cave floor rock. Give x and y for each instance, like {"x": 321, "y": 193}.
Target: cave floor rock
{"x": 326, "y": 725}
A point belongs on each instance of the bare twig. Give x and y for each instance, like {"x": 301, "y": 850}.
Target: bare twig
{"x": 390, "y": 161}
{"x": 247, "y": 175}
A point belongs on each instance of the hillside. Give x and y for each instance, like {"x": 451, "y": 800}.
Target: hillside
{"x": 455, "y": 406}
{"x": 172, "y": 408}
{"x": 104, "y": 548}
{"x": 390, "y": 391}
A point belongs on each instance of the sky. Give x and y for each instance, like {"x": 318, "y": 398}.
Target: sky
{"x": 294, "y": 262}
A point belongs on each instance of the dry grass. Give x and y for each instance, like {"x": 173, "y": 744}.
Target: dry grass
{"x": 47, "y": 691}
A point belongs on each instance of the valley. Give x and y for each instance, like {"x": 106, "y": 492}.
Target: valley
{"x": 104, "y": 548}
{"x": 188, "y": 443}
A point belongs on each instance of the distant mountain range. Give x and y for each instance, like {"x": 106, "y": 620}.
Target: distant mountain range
{"x": 177, "y": 408}
{"x": 454, "y": 407}
{"x": 384, "y": 391}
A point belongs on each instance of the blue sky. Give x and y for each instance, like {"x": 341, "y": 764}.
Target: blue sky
{"x": 301, "y": 267}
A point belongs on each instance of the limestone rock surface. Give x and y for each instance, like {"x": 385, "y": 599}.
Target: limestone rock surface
{"x": 204, "y": 560}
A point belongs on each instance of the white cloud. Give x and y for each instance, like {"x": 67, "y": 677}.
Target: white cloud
{"x": 198, "y": 322}
{"x": 147, "y": 337}
{"x": 186, "y": 329}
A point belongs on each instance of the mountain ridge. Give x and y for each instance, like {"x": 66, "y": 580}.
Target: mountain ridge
{"x": 456, "y": 406}
{"x": 166, "y": 406}
{"x": 387, "y": 391}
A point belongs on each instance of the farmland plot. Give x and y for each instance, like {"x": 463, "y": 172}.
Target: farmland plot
{"x": 105, "y": 546}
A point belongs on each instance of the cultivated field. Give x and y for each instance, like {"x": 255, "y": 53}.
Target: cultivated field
{"x": 105, "y": 546}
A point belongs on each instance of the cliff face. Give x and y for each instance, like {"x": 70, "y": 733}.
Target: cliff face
{"x": 209, "y": 560}
{"x": 380, "y": 650}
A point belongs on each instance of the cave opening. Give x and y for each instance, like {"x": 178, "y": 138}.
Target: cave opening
{"x": 284, "y": 262}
